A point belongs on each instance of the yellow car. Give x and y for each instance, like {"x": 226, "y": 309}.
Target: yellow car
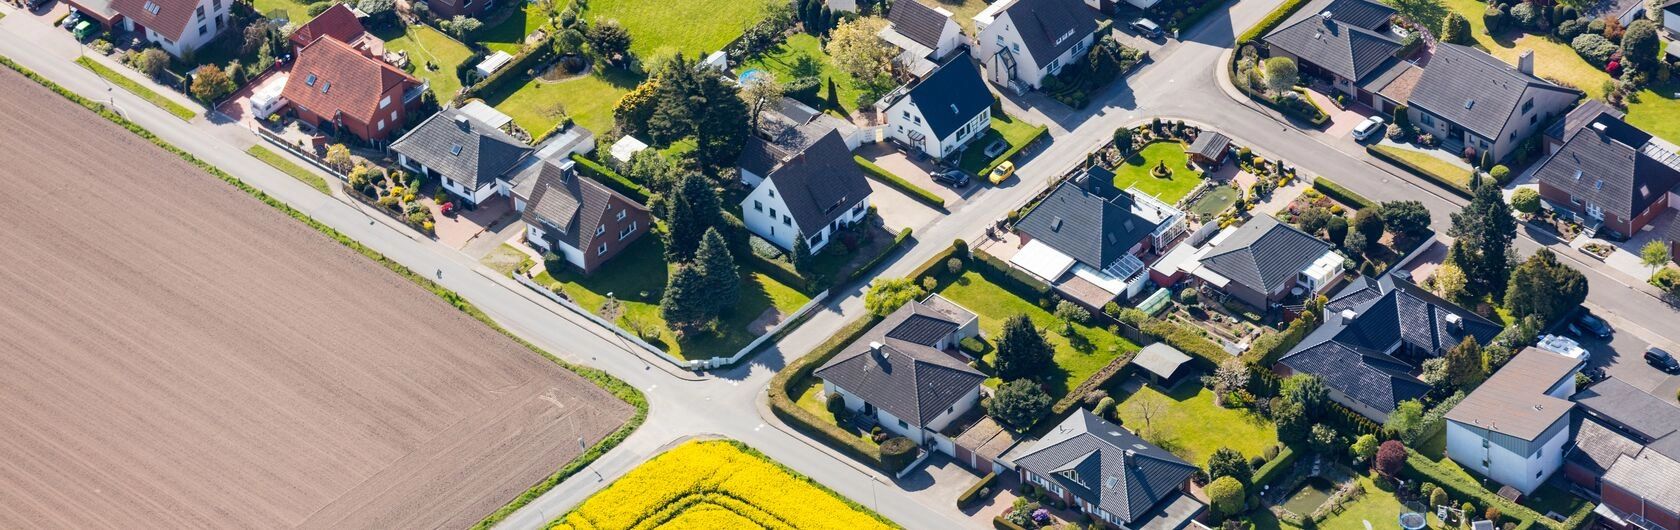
{"x": 1003, "y": 171}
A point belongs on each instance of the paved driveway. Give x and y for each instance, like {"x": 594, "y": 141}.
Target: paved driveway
{"x": 915, "y": 171}
{"x": 238, "y": 106}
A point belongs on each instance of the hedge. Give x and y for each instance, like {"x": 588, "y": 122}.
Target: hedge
{"x": 1460, "y": 488}
{"x": 1431, "y": 176}
{"x": 1013, "y": 150}
{"x": 968, "y": 497}
{"x": 1271, "y": 21}
{"x": 539, "y": 53}
{"x": 886, "y": 177}
{"x": 1096, "y": 381}
{"x": 898, "y": 241}
{"x": 1188, "y": 340}
{"x": 1341, "y": 194}
{"x": 1003, "y": 524}
{"x": 1009, "y": 278}
{"x": 1276, "y": 468}
{"x": 612, "y": 179}
{"x": 613, "y": 385}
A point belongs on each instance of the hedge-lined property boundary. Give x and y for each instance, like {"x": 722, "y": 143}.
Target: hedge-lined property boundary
{"x": 613, "y": 385}
{"x": 1266, "y": 25}
{"x": 1458, "y": 487}
{"x": 1010, "y": 154}
{"x": 1425, "y": 174}
{"x": 1341, "y": 194}
{"x": 1276, "y": 467}
{"x": 887, "y": 177}
{"x": 611, "y": 178}
{"x": 867, "y": 267}
{"x": 969, "y": 496}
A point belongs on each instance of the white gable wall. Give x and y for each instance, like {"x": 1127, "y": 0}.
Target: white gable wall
{"x": 1002, "y": 33}
{"x": 214, "y": 21}
{"x": 767, "y": 215}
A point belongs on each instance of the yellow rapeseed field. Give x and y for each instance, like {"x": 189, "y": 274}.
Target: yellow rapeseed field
{"x": 716, "y": 484}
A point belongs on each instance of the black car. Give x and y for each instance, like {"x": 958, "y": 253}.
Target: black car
{"x": 1661, "y": 360}
{"x": 1588, "y": 325}
{"x": 954, "y": 178}
{"x": 35, "y": 4}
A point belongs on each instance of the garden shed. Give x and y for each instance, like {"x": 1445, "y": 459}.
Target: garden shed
{"x": 1164, "y": 365}
{"x": 1210, "y": 148}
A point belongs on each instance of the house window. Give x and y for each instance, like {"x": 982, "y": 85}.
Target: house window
{"x": 623, "y": 213}
{"x": 758, "y": 206}
{"x": 787, "y": 220}
{"x": 626, "y": 231}
{"x": 218, "y": 22}
{"x": 601, "y": 249}
{"x": 1428, "y": 120}
{"x": 309, "y": 80}
{"x": 153, "y": 8}
{"x": 381, "y": 125}
{"x": 393, "y": 115}
{"x": 1000, "y": 41}
{"x": 772, "y": 213}
{"x": 1484, "y": 442}
{"x": 1528, "y": 106}
{"x": 1484, "y": 464}
{"x": 907, "y": 115}
{"x": 1015, "y": 47}
{"x": 600, "y": 229}
{"x": 918, "y": 120}
{"x": 216, "y": 5}
{"x": 772, "y": 193}
{"x": 203, "y": 30}
{"x": 200, "y": 12}
{"x": 901, "y": 128}
{"x": 385, "y": 102}
{"x": 903, "y": 425}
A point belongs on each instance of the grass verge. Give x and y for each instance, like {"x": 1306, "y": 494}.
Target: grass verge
{"x": 286, "y": 166}
{"x": 613, "y": 385}
{"x": 116, "y": 78}
{"x": 1443, "y": 173}
{"x": 1341, "y": 194}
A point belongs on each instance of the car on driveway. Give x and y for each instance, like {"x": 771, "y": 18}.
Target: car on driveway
{"x": 1662, "y": 360}
{"x": 1588, "y": 325}
{"x": 1146, "y": 28}
{"x": 1371, "y": 126}
{"x": 1002, "y": 172}
{"x": 952, "y": 177}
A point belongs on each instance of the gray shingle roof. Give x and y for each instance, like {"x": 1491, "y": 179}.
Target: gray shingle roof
{"x": 1514, "y": 401}
{"x": 1117, "y": 470}
{"x": 1475, "y": 90}
{"x": 1087, "y": 219}
{"x": 1597, "y": 446}
{"x": 1617, "y": 168}
{"x": 917, "y": 21}
{"x": 1264, "y": 254}
{"x": 1050, "y": 28}
{"x": 1582, "y": 115}
{"x": 820, "y": 183}
{"x": 1651, "y": 420}
{"x": 1651, "y": 476}
{"x": 462, "y": 148}
{"x": 908, "y": 377}
{"x": 566, "y": 204}
{"x": 1210, "y": 144}
{"x": 951, "y": 96}
{"x": 1345, "y": 49}
{"x": 760, "y": 157}
{"x": 1350, "y": 354}
{"x": 1360, "y": 13}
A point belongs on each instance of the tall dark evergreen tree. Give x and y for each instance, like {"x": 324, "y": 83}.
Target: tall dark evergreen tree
{"x": 717, "y": 266}
{"x": 1545, "y": 288}
{"x": 1022, "y": 351}
{"x": 688, "y": 215}
{"x": 1484, "y": 230}
{"x": 685, "y": 306}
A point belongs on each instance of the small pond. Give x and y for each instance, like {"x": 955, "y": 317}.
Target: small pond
{"x": 1307, "y": 498}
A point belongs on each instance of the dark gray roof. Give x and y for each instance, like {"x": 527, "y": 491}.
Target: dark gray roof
{"x": 1352, "y": 354}
{"x": 1475, "y": 90}
{"x": 1585, "y": 113}
{"x": 1613, "y": 165}
{"x": 1514, "y": 401}
{"x": 1651, "y": 420}
{"x": 1345, "y": 49}
{"x": 1050, "y": 28}
{"x": 1359, "y": 13}
{"x": 907, "y": 377}
{"x": 1210, "y": 144}
{"x": 821, "y": 182}
{"x": 1117, "y": 470}
{"x": 1087, "y": 219}
{"x": 566, "y": 204}
{"x": 1264, "y": 254}
{"x": 760, "y": 157}
{"x": 462, "y": 148}
{"x": 951, "y": 96}
{"x": 1597, "y": 446}
{"x": 918, "y": 22}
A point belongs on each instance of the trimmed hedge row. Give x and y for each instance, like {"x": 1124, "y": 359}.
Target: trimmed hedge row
{"x": 968, "y": 497}
{"x": 898, "y": 183}
{"x": 1438, "y": 180}
{"x": 1009, "y": 278}
{"x": 1459, "y": 488}
{"x": 613, "y": 385}
{"x": 1341, "y": 194}
{"x": 1096, "y": 381}
{"x": 1276, "y": 467}
{"x": 1186, "y": 339}
{"x": 1266, "y": 25}
{"x": 539, "y": 53}
{"x": 1010, "y": 154}
{"x": 611, "y": 178}
{"x": 1003, "y": 524}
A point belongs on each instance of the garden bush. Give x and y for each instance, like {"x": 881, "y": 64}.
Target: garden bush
{"x": 973, "y": 493}
{"x": 1525, "y": 15}
{"x": 1593, "y": 47}
{"x": 1569, "y": 29}
{"x": 897, "y": 452}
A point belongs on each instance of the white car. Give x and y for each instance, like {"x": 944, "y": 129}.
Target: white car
{"x": 1371, "y": 125}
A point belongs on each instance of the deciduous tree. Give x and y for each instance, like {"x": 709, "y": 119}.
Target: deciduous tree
{"x": 1427, "y": 13}
{"x": 1464, "y": 364}
{"x": 1407, "y": 220}
{"x": 860, "y": 53}
{"x": 1391, "y": 458}
{"x": 886, "y": 295}
{"x": 1655, "y": 254}
{"x": 211, "y": 83}
{"x": 1227, "y": 495}
{"x": 1545, "y": 288}
{"x": 1281, "y": 74}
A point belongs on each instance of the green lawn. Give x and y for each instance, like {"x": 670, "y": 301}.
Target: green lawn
{"x": 1214, "y": 201}
{"x": 1377, "y": 507}
{"x": 296, "y": 12}
{"x": 538, "y": 105}
{"x": 509, "y": 34}
{"x": 1076, "y": 360}
{"x": 116, "y": 78}
{"x": 642, "y": 269}
{"x": 1004, "y": 126}
{"x": 1192, "y": 427}
{"x": 1135, "y": 172}
{"x": 286, "y": 166}
{"x": 1553, "y": 60}
{"x": 426, "y": 45}
{"x": 1658, "y": 111}
{"x": 802, "y": 56}
{"x": 1441, "y": 169}
{"x": 660, "y": 27}
{"x": 1549, "y": 498}
{"x": 962, "y": 10}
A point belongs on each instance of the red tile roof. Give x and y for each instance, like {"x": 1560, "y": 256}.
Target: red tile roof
{"x": 330, "y": 76}
{"x": 170, "y": 20}
{"x": 337, "y": 22}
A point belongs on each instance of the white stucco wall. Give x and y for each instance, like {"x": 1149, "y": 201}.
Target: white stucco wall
{"x": 905, "y": 117}
{"x": 1523, "y": 472}
{"x": 766, "y": 215}
{"x": 190, "y": 39}
{"x": 534, "y": 234}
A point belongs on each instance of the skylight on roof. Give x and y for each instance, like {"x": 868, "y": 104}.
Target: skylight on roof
{"x": 455, "y": 149}
{"x": 325, "y": 85}
{"x": 309, "y": 80}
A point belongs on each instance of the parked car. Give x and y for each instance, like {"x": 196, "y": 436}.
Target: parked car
{"x": 1002, "y": 172}
{"x": 35, "y": 4}
{"x": 1587, "y": 325}
{"x": 1147, "y": 28}
{"x": 951, "y": 177}
{"x": 1662, "y": 360}
{"x": 1371, "y": 126}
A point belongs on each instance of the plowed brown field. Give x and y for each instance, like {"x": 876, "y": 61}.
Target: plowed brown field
{"x": 176, "y": 354}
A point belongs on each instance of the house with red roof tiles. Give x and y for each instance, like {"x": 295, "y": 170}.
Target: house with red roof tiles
{"x": 177, "y": 26}
{"x": 334, "y": 85}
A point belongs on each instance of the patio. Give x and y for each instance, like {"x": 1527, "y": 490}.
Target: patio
{"x": 459, "y": 229}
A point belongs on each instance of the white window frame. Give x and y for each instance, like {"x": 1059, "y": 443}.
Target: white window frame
{"x": 600, "y": 229}
{"x": 601, "y": 250}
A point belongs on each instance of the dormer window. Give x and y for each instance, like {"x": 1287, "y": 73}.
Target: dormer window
{"x": 1072, "y": 475}
{"x": 152, "y": 7}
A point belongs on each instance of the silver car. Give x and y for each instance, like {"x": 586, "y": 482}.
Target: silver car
{"x": 1371, "y": 125}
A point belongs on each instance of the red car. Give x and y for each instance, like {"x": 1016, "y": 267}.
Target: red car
{"x": 448, "y": 208}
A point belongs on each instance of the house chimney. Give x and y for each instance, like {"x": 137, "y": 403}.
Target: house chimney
{"x": 1326, "y": 16}
{"x": 461, "y": 121}
{"x": 1348, "y": 314}
{"x": 875, "y": 348}
{"x": 1454, "y": 322}
{"x": 1525, "y": 62}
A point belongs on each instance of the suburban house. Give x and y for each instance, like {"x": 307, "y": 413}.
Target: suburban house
{"x": 337, "y": 87}
{"x": 906, "y": 375}
{"x": 927, "y": 35}
{"x": 1086, "y": 236}
{"x": 1352, "y": 43}
{"x": 1581, "y": 116}
{"x": 338, "y": 22}
{"x": 786, "y": 129}
{"x": 1376, "y": 332}
{"x": 1627, "y": 452}
{"x": 99, "y": 11}
{"x": 1023, "y": 41}
{"x": 468, "y": 156}
{"x": 577, "y": 218}
{"x": 1610, "y": 175}
{"x": 1470, "y": 99}
{"x": 1111, "y": 474}
{"x": 1265, "y": 262}
{"x": 812, "y": 195}
{"x": 443, "y": 9}
{"x": 942, "y": 112}
{"x": 177, "y": 26}
{"x": 1515, "y": 427}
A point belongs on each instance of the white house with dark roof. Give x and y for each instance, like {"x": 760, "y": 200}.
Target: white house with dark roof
{"x": 1086, "y": 236}
{"x": 942, "y": 112}
{"x": 1104, "y": 470}
{"x": 1468, "y": 98}
{"x": 469, "y": 157}
{"x": 813, "y": 194}
{"x": 906, "y": 375}
{"x": 177, "y": 26}
{"x": 926, "y": 35}
{"x": 1022, "y": 41}
{"x": 1516, "y": 426}
{"x": 1352, "y": 43}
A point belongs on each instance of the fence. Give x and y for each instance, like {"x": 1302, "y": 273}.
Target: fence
{"x": 791, "y": 320}
{"x": 306, "y": 156}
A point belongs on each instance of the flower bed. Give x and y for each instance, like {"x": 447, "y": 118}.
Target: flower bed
{"x": 396, "y": 192}
{"x": 1599, "y": 251}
